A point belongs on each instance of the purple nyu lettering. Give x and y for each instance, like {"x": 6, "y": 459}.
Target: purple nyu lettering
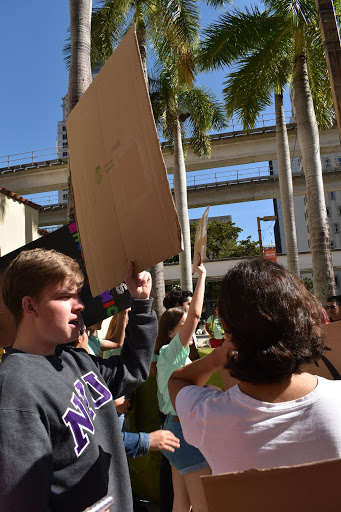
{"x": 81, "y": 391}
{"x": 82, "y": 419}
{"x": 78, "y": 422}
{"x": 105, "y": 396}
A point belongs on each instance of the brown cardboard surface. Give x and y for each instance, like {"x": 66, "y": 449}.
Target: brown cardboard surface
{"x": 332, "y": 356}
{"x": 313, "y": 487}
{"x": 124, "y": 207}
{"x": 201, "y": 237}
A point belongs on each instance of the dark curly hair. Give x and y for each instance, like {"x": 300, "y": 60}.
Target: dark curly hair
{"x": 176, "y": 298}
{"x": 273, "y": 320}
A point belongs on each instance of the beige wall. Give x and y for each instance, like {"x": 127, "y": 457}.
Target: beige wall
{"x": 18, "y": 224}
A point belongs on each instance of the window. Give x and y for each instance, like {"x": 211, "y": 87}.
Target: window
{"x": 328, "y": 211}
{"x": 64, "y": 153}
{"x": 336, "y": 228}
{"x": 305, "y": 200}
{"x": 64, "y": 144}
{"x": 309, "y": 244}
{"x": 332, "y": 244}
{"x": 331, "y": 195}
{"x": 64, "y": 128}
{"x": 337, "y": 280}
{"x": 64, "y": 136}
{"x": 339, "y": 209}
{"x": 64, "y": 197}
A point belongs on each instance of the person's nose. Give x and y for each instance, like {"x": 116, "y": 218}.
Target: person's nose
{"x": 78, "y": 305}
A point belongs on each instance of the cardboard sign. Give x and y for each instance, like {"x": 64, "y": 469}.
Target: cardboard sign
{"x": 313, "y": 487}
{"x": 201, "y": 238}
{"x": 329, "y": 366}
{"x": 66, "y": 240}
{"x": 269, "y": 253}
{"x": 124, "y": 207}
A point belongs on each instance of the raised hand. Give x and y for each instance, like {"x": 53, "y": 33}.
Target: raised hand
{"x": 140, "y": 285}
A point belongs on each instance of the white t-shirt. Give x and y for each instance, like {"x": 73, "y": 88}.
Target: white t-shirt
{"x": 235, "y": 432}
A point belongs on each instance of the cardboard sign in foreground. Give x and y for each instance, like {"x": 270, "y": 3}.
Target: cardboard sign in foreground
{"x": 313, "y": 487}
{"x": 201, "y": 238}
{"x": 124, "y": 207}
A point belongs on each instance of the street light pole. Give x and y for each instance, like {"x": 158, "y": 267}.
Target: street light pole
{"x": 268, "y": 217}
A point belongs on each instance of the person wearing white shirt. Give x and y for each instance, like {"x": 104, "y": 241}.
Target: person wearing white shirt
{"x": 277, "y": 415}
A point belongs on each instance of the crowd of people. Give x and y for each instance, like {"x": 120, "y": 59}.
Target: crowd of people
{"x": 65, "y": 392}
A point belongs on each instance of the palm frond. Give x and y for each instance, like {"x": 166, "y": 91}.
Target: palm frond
{"x": 108, "y": 23}
{"x": 233, "y": 35}
{"x": 174, "y": 30}
{"x": 249, "y": 90}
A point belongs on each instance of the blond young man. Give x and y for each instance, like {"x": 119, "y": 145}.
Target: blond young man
{"x": 61, "y": 447}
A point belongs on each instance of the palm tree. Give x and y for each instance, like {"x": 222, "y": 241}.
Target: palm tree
{"x": 172, "y": 26}
{"x": 183, "y": 112}
{"x": 272, "y": 48}
{"x": 80, "y": 69}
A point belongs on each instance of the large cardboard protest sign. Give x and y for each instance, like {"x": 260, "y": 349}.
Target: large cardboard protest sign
{"x": 201, "y": 237}
{"x": 329, "y": 366}
{"x": 66, "y": 241}
{"x": 124, "y": 207}
{"x": 313, "y": 487}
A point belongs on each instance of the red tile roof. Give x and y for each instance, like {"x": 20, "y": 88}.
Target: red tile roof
{"x": 20, "y": 199}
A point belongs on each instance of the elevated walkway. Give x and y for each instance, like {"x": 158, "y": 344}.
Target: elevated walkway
{"x": 42, "y": 171}
{"x": 231, "y": 190}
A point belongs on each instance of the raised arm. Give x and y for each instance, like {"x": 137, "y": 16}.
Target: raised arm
{"x": 117, "y": 337}
{"x": 199, "y": 371}
{"x": 194, "y": 313}
{"x": 125, "y": 372}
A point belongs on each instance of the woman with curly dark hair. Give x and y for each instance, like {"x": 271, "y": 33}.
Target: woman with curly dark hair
{"x": 277, "y": 414}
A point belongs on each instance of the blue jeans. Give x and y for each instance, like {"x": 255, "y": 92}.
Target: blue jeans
{"x": 187, "y": 458}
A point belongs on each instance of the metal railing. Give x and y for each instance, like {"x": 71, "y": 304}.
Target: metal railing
{"x": 199, "y": 179}
{"x": 34, "y": 158}
{"x": 29, "y": 159}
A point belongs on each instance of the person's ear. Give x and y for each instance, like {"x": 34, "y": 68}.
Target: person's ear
{"x": 29, "y": 306}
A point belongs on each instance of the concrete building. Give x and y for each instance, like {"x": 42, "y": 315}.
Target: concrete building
{"x": 333, "y": 206}
{"x": 18, "y": 221}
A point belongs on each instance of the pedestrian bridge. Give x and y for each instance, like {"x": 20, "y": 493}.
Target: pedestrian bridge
{"x": 42, "y": 171}
{"x": 221, "y": 188}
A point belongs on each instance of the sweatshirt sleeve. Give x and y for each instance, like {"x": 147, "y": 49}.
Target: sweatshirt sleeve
{"x": 125, "y": 372}
{"x": 25, "y": 474}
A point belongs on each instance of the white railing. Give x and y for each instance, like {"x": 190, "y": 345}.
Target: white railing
{"x": 30, "y": 158}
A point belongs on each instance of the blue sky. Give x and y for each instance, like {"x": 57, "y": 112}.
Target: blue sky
{"x": 34, "y": 79}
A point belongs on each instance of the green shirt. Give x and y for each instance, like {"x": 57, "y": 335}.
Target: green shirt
{"x": 216, "y": 327}
{"x": 171, "y": 357}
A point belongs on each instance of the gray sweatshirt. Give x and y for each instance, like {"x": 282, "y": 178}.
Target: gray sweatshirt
{"x": 61, "y": 447}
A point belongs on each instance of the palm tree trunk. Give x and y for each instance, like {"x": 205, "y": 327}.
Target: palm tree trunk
{"x": 80, "y": 67}
{"x": 157, "y": 272}
{"x": 285, "y": 185}
{"x": 180, "y": 194}
{"x": 308, "y": 136}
